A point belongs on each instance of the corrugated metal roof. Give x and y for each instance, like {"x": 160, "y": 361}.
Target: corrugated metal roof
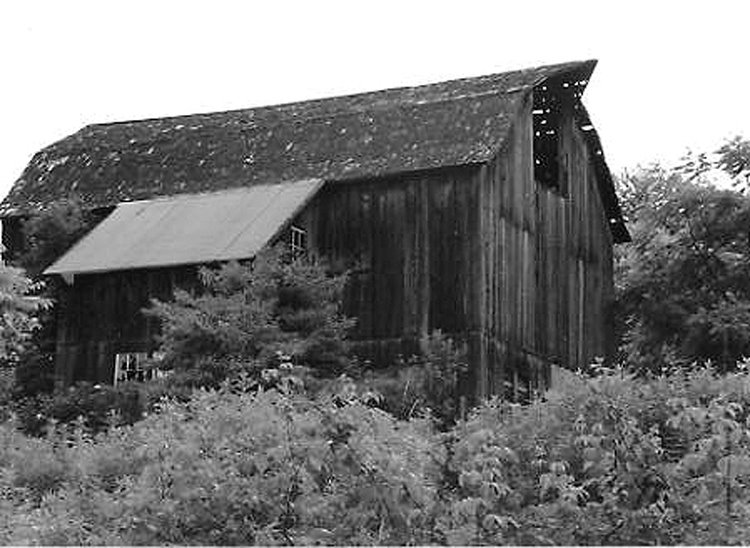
{"x": 364, "y": 135}
{"x": 187, "y": 229}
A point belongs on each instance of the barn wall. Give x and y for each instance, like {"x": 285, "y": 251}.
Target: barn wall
{"x": 409, "y": 243}
{"x": 100, "y": 315}
{"x": 546, "y": 264}
{"x": 519, "y": 271}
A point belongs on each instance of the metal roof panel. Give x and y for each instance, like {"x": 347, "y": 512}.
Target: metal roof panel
{"x": 187, "y": 229}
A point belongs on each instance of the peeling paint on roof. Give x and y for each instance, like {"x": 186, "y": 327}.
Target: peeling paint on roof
{"x": 364, "y": 135}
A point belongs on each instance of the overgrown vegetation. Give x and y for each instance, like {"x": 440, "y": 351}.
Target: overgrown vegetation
{"x": 51, "y": 232}
{"x": 18, "y": 312}
{"x": 19, "y": 320}
{"x": 609, "y": 460}
{"x": 47, "y": 235}
{"x": 267, "y": 430}
{"x": 684, "y": 282}
{"x": 249, "y": 314}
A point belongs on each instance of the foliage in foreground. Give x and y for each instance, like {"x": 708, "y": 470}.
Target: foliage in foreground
{"x": 227, "y": 468}
{"x": 608, "y": 460}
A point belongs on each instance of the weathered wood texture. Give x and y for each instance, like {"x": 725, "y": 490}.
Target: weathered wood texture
{"x": 519, "y": 271}
{"x": 403, "y": 239}
{"x": 100, "y": 315}
{"x": 546, "y": 264}
{"x": 408, "y": 243}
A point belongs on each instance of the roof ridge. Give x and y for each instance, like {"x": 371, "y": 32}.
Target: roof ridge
{"x": 367, "y": 134}
{"x": 279, "y": 107}
{"x": 342, "y": 112}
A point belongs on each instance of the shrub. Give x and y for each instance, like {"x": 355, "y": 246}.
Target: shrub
{"x": 612, "y": 459}
{"x": 46, "y": 236}
{"x": 607, "y": 460}
{"x": 248, "y": 313}
{"x": 93, "y": 407}
{"x": 239, "y": 468}
{"x": 18, "y": 312}
{"x": 425, "y": 383}
{"x": 51, "y": 232}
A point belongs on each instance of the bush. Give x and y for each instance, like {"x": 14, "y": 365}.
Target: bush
{"x": 229, "y": 468}
{"x": 425, "y": 383}
{"x": 608, "y": 460}
{"x": 51, "y": 232}
{"x": 612, "y": 459}
{"x": 93, "y": 407}
{"x": 35, "y": 371}
{"x": 47, "y": 235}
{"x": 247, "y": 314}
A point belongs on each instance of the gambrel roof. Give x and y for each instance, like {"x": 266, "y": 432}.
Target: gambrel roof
{"x": 373, "y": 134}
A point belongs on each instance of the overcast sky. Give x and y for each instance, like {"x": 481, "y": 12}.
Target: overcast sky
{"x": 671, "y": 75}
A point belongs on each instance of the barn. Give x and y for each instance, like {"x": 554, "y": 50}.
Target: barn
{"x": 482, "y": 207}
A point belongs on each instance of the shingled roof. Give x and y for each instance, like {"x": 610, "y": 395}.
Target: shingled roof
{"x": 365, "y": 135}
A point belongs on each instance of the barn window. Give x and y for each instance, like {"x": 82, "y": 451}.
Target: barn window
{"x": 132, "y": 366}
{"x": 298, "y": 240}
{"x": 547, "y": 117}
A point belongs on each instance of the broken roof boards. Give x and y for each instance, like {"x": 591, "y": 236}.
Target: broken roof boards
{"x": 187, "y": 229}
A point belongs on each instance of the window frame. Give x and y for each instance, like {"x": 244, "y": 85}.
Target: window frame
{"x": 133, "y": 362}
{"x": 297, "y": 240}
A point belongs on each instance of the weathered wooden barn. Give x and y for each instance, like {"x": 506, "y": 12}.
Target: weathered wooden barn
{"x": 482, "y": 207}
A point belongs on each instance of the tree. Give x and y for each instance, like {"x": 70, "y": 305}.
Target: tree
{"x": 18, "y": 310}
{"x": 732, "y": 158}
{"x": 50, "y": 233}
{"x": 684, "y": 282}
{"x": 250, "y": 314}
{"x": 47, "y": 234}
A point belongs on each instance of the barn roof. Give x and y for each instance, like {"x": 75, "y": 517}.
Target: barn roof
{"x": 187, "y": 229}
{"x": 368, "y": 134}
{"x": 452, "y": 123}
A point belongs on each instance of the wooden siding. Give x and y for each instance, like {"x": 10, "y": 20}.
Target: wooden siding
{"x": 409, "y": 244}
{"x": 519, "y": 271}
{"x": 100, "y": 315}
{"x": 546, "y": 264}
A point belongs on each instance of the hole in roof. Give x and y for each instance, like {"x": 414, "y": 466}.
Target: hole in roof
{"x": 546, "y": 143}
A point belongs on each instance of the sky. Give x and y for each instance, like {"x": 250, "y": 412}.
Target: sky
{"x": 672, "y": 76}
